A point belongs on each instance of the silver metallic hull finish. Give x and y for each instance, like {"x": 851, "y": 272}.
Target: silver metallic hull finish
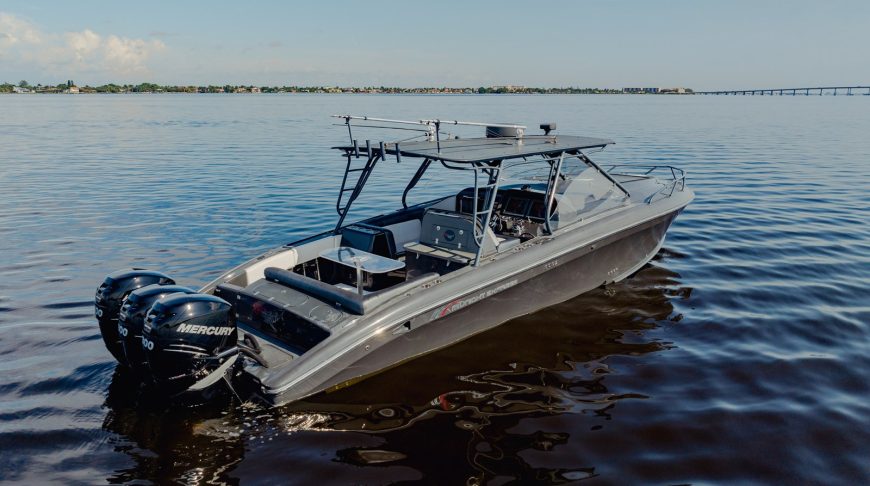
{"x": 586, "y": 267}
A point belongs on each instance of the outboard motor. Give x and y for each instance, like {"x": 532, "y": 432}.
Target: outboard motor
{"x": 131, "y": 320}
{"x": 189, "y": 341}
{"x": 110, "y": 296}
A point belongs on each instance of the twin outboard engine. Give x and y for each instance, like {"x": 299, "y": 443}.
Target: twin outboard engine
{"x": 174, "y": 339}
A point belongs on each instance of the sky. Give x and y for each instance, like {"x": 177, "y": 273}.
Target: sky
{"x": 698, "y": 44}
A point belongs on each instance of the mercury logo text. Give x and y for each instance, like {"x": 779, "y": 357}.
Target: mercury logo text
{"x": 207, "y": 330}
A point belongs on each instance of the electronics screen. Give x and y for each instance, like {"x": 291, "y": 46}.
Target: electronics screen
{"x": 465, "y": 204}
{"x": 537, "y": 210}
{"x": 516, "y": 206}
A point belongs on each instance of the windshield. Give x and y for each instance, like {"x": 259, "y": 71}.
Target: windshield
{"x": 581, "y": 191}
{"x": 584, "y": 195}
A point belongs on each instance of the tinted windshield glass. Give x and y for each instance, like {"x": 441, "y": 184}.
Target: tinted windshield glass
{"x": 581, "y": 191}
{"x": 585, "y": 194}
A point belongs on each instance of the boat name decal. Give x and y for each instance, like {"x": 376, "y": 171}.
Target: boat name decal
{"x": 459, "y": 304}
{"x": 207, "y": 330}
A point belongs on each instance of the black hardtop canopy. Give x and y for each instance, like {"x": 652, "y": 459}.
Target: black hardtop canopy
{"x": 480, "y": 150}
{"x": 484, "y": 156}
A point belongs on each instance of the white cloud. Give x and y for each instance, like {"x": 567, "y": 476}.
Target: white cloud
{"x": 82, "y": 43}
{"x": 15, "y": 31}
{"x": 129, "y": 55}
{"x": 73, "y": 53}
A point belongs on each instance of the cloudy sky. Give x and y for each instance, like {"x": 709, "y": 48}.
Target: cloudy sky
{"x": 698, "y": 44}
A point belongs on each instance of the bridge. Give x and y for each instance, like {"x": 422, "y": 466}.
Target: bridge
{"x": 820, "y": 90}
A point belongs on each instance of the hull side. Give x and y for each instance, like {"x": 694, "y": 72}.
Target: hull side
{"x": 553, "y": 281}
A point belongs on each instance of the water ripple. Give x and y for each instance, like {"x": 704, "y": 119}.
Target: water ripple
{"x": 738, "y": 355}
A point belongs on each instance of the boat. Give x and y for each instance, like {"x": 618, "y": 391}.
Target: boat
{"x": 537, "y": 222}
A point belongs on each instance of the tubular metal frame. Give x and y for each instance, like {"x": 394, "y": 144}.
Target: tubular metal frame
{"x": 365, "y": 172}
{"x": 487, "y": 175}
{"x": 481, "y": 217}
{"x": 550, "y": 194}
{"x": 678, "y": 176}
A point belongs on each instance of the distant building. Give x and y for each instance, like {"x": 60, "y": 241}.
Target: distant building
{"x": 241, "y": 89}
{"x": 72, "y": 90}
{"x": 640, "y": 90}
{"x": 255, "y": 89}
{"x": 510, "y": 88}
{"x": 20, "y": 90}
{"x": 674, "y": 91}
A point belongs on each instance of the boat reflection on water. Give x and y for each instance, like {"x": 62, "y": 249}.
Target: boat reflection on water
{"x": 169, "y": 444}
{"x": 562, "y": 369}
{"x": 456, "y": 415}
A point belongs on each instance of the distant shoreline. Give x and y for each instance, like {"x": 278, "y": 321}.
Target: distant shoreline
{"x": 337, "y": 94}
{"x": 149, "y": 88}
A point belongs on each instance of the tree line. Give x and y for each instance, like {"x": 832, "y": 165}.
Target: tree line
{"x": 227, "y": 88}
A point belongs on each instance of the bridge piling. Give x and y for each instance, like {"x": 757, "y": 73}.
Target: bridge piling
{"x": 831, "y": 90}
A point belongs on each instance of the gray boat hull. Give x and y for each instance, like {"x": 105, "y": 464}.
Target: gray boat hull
{"x": 546, "y": 282}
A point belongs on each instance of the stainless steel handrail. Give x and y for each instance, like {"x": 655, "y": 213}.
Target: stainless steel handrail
{"x": 677, "y": 175}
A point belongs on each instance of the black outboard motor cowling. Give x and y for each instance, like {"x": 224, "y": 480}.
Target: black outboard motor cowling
{"x": 131, "y": 320}
{"x": 110, "y": 296}
{"x": 189, "y": 341}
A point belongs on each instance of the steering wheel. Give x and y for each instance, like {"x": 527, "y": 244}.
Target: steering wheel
{"x": 495, "y": 222}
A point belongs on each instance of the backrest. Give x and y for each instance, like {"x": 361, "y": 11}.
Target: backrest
{"x": 404, "y": 232}
{"x": 366, "y": 237}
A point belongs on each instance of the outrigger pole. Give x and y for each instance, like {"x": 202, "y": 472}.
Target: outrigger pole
{"x": 433, "y": 126}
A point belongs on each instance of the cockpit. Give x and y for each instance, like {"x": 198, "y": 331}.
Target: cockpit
{"x": 519, "y": 210}
{"x": 525, "y": 187}
{"x": 446, "y": 235}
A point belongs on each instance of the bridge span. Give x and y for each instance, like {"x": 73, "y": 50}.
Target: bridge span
{"x": 819, "y": 90}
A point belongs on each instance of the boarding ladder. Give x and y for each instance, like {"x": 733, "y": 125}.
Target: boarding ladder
{"x": 355, "y": 177}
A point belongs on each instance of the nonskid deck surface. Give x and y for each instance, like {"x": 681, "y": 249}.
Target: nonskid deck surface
{"x": 451, "y": 320}
{"x": 354, "y": 345}
{"x": 328, "y": 304}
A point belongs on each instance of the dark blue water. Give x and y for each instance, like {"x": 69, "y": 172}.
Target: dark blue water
{"x": 740, "y": 354}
